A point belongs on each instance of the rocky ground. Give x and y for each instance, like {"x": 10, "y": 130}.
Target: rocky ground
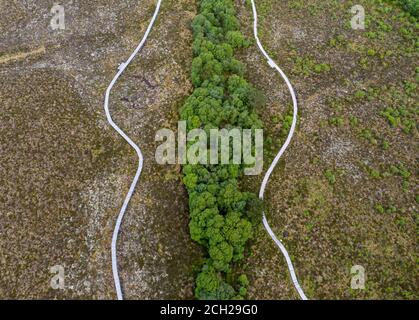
{"x": 344, "y": 195}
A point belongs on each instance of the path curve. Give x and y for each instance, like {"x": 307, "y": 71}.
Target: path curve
{"x": 265, "y": 181}
{"x": 121, "y": 69}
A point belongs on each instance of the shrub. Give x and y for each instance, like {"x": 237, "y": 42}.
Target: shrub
{"x": 411, "y": 6}
{"x": 330, "y": 176}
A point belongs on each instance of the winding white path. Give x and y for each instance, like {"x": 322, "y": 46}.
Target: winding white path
{"x": 279, "y": 155}
{"x": 121, "y": 69}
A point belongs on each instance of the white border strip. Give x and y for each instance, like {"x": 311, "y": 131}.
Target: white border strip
{"x": 279, "y": 155}
{"x": 121, "y": 69}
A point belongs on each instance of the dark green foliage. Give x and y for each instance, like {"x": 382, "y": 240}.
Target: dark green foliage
{"x": 411, "y": 6}
{"x": 210, "y": 285}
{"x": 254, "y": 209}
{"x": 220, "y": 213}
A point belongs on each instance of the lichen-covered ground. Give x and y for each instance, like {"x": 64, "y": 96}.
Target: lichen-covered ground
{"x": 345, "y": 193}
{"x": 64, "y": 171}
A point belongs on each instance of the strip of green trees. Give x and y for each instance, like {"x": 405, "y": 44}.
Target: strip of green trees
{"x": 220, "y": 214}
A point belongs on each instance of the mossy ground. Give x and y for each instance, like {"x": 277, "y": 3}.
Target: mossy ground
{"x": 323, "y": 199}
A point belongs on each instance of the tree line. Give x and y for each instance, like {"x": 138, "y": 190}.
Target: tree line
{"x": 221, "y": 215}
